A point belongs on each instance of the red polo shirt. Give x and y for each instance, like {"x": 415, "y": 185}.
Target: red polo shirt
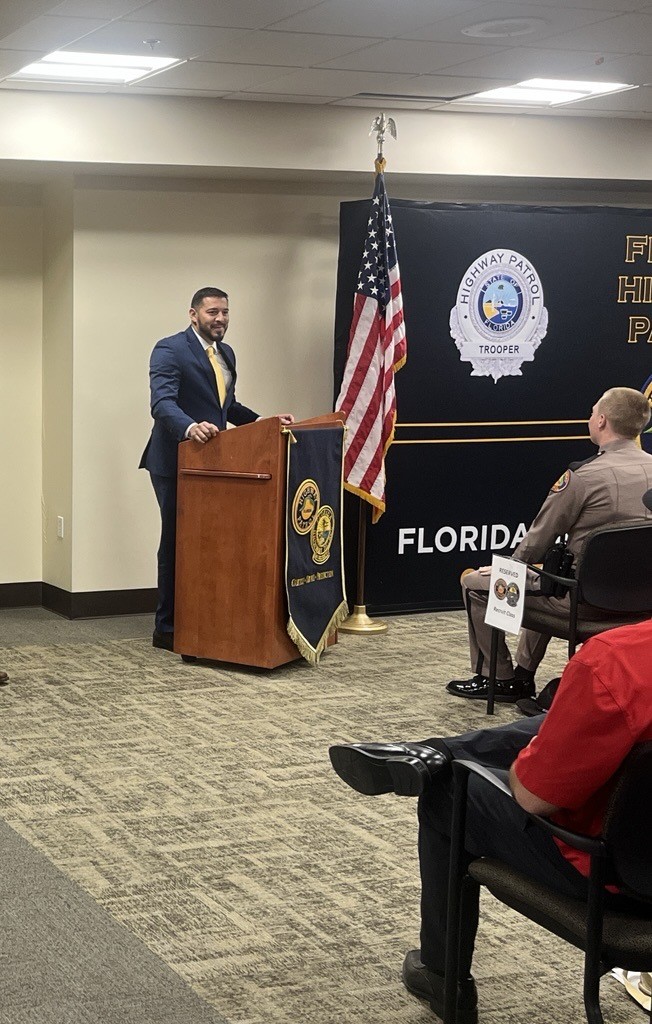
{"x": 603, "y": 707}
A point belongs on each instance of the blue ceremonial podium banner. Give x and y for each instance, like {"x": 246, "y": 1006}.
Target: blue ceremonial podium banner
{"x": 519, "y": 318}
{"x": 314, "y": 570}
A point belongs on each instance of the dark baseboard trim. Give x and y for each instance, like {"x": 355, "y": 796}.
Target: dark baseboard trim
{"x": 94, "y": 603}
{"x": 21, "y": 595}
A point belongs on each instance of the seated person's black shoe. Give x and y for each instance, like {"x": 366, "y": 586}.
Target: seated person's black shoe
{"x": 374, "y": 768}
{"x": 507, "y": 691}
{"x": 163, "y": 640}
{"x": 426, "y": 984}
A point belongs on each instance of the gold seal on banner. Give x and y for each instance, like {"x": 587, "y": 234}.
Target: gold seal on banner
{"x": 322, "y": 533}
{"x": 304, "y": 506}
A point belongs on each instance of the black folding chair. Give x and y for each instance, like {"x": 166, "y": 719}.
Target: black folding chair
{"x": 611, "y": 934}
{"x": 612, "y": 587}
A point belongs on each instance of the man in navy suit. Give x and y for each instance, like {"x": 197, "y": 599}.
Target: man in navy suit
{"x": 185, "y": 385}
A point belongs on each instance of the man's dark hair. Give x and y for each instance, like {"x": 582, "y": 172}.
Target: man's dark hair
{"x": 205, "y": 293}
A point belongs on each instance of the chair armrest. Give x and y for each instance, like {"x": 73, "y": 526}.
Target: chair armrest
{"x": 564, "y": 581}
{"x": 579, "y": 841}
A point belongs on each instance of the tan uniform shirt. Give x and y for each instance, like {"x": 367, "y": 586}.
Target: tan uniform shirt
{"x": 608, "y": 488}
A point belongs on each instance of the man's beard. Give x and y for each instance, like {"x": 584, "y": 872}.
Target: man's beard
{"x": 212, "y": 334}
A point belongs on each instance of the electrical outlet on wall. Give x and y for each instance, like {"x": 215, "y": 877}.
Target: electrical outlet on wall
{"x": 60, "y": 526}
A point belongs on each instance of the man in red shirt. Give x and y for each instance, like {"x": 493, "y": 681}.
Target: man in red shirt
{"x": 561, "y": 765}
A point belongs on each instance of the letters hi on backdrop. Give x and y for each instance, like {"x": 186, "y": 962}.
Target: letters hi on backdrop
{"x": 377, "y": 350}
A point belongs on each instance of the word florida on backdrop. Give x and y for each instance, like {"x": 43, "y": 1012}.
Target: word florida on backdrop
{"x": 487, "y": 537}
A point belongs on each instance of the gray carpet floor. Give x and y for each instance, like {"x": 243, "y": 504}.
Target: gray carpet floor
{"x": 191, "y": 810}
{"x": 65, "y": 959}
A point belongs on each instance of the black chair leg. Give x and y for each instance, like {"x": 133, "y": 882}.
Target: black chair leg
{"x": 493, "y": 661}
{"x": 592, "y": 975}
{"x": 455, "y": 877}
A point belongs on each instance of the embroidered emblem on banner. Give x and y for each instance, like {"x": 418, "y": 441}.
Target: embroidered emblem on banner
{"x": 321, "y": 535}
{"x": 305, "y": 506}
{"x": 499, "y": 318}
{"x": 314, "y": 564}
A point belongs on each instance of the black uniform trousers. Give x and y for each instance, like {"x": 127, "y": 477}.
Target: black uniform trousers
{"x": 495, "y": 827}
{"x": 165, "y": 488}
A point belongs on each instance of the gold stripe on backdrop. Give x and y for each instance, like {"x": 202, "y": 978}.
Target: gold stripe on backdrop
{"x": 492, "y": 440}
{"x": 478, "y": 427}
{"x": 490, "y": 423}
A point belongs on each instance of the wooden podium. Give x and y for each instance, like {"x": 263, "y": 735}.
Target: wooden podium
{"x": 230, "y": 601}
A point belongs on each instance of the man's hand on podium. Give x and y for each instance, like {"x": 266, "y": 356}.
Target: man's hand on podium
{"x": 202, "y": 432}
{"x": 286, "y": 418}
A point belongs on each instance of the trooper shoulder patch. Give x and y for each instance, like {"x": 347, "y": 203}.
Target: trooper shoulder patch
{"x": 562, "y": 483}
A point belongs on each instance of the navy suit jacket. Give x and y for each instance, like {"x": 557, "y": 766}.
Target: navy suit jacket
{"x": 184, "y": 391}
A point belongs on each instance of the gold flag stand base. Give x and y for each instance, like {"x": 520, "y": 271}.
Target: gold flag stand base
{"x": 359, "y": 622}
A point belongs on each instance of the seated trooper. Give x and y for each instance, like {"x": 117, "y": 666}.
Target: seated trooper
{"x": 560, "y": 765}
{"x": 604, "y": 489}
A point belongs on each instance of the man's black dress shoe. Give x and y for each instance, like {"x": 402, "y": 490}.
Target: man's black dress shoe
{"x": 373, "y": 768}
{"x": 507, "y": 691}
{"x": 163, "y": 640}
{"x": 426, "y": 984}
{"x": 4, "y": 678}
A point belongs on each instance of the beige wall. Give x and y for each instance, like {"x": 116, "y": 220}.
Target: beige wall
{"x": 58, "y": 381}
{"x": 20, "y": 388}
{"x": 138, "y": 257}
{"x": 173, "y": 132}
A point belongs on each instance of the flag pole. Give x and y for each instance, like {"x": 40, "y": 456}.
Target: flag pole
{"x": 358, "y": 621}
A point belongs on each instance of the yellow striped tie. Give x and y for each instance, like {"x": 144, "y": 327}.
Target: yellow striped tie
{"x": 219, "y": 375}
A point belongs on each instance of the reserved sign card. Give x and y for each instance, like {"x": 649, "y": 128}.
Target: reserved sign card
{"x": 506, "y": 594}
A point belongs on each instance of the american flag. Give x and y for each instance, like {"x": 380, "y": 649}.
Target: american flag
{"x": 377, "y": 350}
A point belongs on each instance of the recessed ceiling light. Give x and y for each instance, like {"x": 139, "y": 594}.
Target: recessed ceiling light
{"x": 106, "y": 68}
{"x": 544, "y": 92}
{"x": 500, "y": 27}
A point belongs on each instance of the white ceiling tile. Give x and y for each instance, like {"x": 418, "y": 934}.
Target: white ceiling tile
{"x": 517, "y": 64}
{"x": 635, "y": 101}
{"x": 448, "y": 86}
{"x": 13, "y": 60}
{"x": 630, "y": 68}
{"x": 322, "y": 82}
{"x": 228, "y": 13}
{"x": 174, "y": 40}
{"x": 409, "y": 56}
{"x": 49, "y": 34}
{"x": 272, "y": 97}
{"x": 625, "y": 33}
{"x": 16, "y": 13}
{"x": 144, "y": 90}
{"x": 548, "y": 21}
{"x": 385, "y": 18}
{"x": 292, "y": 49}
{"x": 389, "y": 107}
{"x": 196, "y": 74}
{"x": 610, "y": 6}
{"x": 328, "y": 51}
{"x": 106, "y": 9}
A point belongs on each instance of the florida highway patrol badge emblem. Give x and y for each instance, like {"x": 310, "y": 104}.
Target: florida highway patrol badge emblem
{"x": 499, "y": 318}
{"x": 321, "y": 535}
{"x": 304, "y": 506}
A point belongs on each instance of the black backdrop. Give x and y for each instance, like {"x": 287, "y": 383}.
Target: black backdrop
{"x": 486, "y": 468}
